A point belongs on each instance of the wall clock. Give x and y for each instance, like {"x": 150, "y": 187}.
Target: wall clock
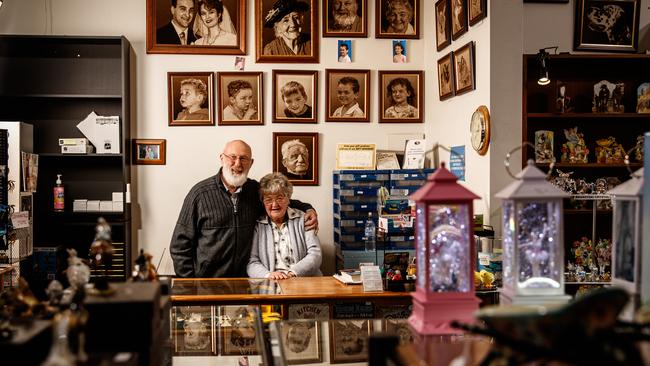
{"x": 479, "y": 128}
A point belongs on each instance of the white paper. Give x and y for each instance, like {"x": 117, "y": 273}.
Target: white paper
{"x": 414, "y": 154}
{"x": 355, "y": 156}
{"x": 371, "y": 278}
{"x": 20, "y": 219}
{"x": 102, "y": 131}
{"x": 387, "y": 160}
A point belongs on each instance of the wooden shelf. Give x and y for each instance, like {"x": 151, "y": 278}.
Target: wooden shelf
{"x": 64, "y": 96}
{"x": 93, "y": 155}
{"x": 589, "y": 115}
{"x": 590, "y": 166}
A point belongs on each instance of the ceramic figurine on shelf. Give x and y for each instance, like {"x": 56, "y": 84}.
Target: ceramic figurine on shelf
{"x": 144, "y": 270}
{"x": 574, "y": 151}
{"x": 603, "y": 255}
{"x": 643, "y": 98}
{"x": 608, "y": 97}
{"x": 564, "y": 182}
{"x": 544, "y": 146}
{"x": 609, "y": 151}
{"x": 563, "y": 102}
{"x": 101, "y": 256}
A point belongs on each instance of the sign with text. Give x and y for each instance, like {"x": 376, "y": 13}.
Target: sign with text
{"x": 457, "y": 161}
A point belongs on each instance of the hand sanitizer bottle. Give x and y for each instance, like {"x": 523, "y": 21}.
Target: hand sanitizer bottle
{"x": 59, "y": 195}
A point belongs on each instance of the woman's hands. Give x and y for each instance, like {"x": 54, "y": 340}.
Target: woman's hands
{"x": 280, "y": 275}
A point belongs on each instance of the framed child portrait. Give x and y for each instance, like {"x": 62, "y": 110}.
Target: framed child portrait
{"x": 446, "y": 77}
{"x": 295, "y": 96}
{"x": 443, "y": 24}
{"x": 192, "y": 331}
{"x": 149, "y": 152}
{"x": 345, "y": 18}
{"x": 401, "y": 96}
{"x": 189, "y": 98}
{"x": 240, "y": 98}
{"x": 286, "y": 31}
{"x": 295, "y": 154}
{"x": 349, "y": 340}
{"x": 215, "y": 27}
{"x": 464, "y": 69}
{"x": 301, "y": 341}
{"x": 397, "y": 19}
{"x": 607, "y": 25}
{"x": 347, "y": 95}
{"x": 458, "y": 18}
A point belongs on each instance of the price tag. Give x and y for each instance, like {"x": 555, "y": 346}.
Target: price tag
{"x": 371, "y": 279}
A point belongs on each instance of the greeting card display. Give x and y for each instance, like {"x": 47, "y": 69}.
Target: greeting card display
{"x": 574, "y": 151}
{"x": 608, "y": 97}
{"x": 544, "y": 146}
{"x": 643, "y": 98}
{"x": 609, "y": 151}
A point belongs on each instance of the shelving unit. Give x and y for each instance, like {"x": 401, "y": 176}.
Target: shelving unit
{"x": 53, "y": 83}
{"x": 579, "y": 74}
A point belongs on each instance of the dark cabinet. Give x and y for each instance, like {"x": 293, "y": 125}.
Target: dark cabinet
{"x": 53, "y": 83}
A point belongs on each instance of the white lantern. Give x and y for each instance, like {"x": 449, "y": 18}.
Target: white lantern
{"x": 533, "y": 244}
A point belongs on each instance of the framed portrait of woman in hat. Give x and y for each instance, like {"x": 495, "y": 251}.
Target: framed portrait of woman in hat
{"x": 286, "y": 31}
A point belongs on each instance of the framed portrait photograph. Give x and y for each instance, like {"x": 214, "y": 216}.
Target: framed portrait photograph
{"x": 477, "y": 11}
{"x": 286, "y": 31}
{"x": 446, "y": 77}
{"x": 344, "y": 48}
{"x": 464, "y": 69}
{"x": 295, "y": 96}
{"x": 149, "y": 152}
{"x": 349, "y": 340}
{"x": 443, "y": 24}
{"x": 240, "y": 98}
{"x": 347, "y": 95}
{"x": 607, "y": 25}
{"x": 237, "y": 330}
{"x": 213, "y": 27}
{"x": 397, "y": 19}
{"x": 458, "y": 18}
{"x": 399, "y": 51}
{"x": 301, "y": 341}
{"x": 190, "y": 98}
{"x": 295, "y": 154}
{"x": 192, "y": 328}
{"x": 399, "y": 328}
{"x": 345, "y": 18}
{"x": 401, "y": 96}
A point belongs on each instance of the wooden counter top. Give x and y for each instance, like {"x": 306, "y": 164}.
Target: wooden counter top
{"x": 265, "y": 291}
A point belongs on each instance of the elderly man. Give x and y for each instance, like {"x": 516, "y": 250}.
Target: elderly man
{"x": 178, "y": 31}
{"x": 214, "y": 232}
{"x": 399, "y": 15}
{"x": 295, "y": 158}
{"x": 286, "y": 17}
{"x": 344, "y": 17}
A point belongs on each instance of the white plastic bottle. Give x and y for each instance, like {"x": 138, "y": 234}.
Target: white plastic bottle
{"x": 370, "y": 234}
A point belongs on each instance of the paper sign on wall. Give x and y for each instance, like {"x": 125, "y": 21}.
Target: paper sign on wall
{"x": 457, "y": 161}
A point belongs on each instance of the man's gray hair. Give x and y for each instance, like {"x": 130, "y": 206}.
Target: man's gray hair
{"x": 274, "y": 183}
{"x": 287, "y": 144}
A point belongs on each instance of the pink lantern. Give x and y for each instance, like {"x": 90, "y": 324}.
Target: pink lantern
{"x": 445, "y": 255}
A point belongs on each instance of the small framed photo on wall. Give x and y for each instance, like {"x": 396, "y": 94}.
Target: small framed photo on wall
{"x": 347, "y": 96}
{"x": 295, "y": 96}
{"x": 345, "y": 18}
{"x": 397, "y": 19}
{"x": 214, "y": 27}
{"x": 443, "y": 24}
{"x": 464, "y": 69}
{"x": 458, "y": 18}
{"x": 286, "y": 31}
{"x": 149, "y": 152}
{"x": 446, "y": 77}
{"x": 401, "y": 96}
{"x": 349, "y": 340}
{"x": 345, "y": 51}
{"x": 607, "y": 25}
{"x": 240, "y": 98}
{"x": 477, "y": 11}
{"x": 190, "y": 96}
{"x": 295, "y": 154}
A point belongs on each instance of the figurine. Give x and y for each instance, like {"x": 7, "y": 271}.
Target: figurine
{"x": 101, "y": 255}
{"x": 487, "y": 279}
{"x": 643, "y": 98}
{"x": 608, "y": 97}
{"x": 638, "y": 148}
{"x": 563, "y": 102}
{"x": 574, "y": 151}
{"x": 609, "y": 151}
{"x": 143, "y": 270}
{"x": 397, "y": 276}
{"x": 544, "y": 146}
{"x": 563, "y": 182}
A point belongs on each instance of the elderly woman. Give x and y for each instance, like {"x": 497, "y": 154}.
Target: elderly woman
{"x": 281, "y": 246}
{"x": 286, "y": 17}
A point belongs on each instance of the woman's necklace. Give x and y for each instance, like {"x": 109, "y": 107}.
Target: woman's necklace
{"x": 213, "y": 39}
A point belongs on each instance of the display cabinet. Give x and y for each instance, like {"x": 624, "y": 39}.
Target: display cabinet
{"x": 586, "y": 119}
{"x": 53, "y": 83}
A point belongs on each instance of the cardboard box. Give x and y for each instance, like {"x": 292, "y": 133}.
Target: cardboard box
{"x": 79, "y": 205}
{"x": 118, "y": 206}
{"x": 105, "y": 206}
{"x": 118, "y": 196}
{"x": 93, "y": 205}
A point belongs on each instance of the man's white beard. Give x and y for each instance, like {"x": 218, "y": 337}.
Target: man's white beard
{"x": 344, "y": 20}
{"x": 234, "y": 180}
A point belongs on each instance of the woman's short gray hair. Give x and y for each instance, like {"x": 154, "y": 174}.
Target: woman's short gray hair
{"x": 274, "y": 183}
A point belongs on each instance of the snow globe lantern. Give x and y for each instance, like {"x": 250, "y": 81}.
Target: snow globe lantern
{"x": 533, "y": 240}
{"x": 445, "y": 255}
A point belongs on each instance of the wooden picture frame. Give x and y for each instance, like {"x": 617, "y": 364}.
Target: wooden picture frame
{"x": 237, "y": 334}
{"x": 301, "y": 341}
{"x": 332, "y": 26}
{"x": 464, "y": 69}
{"x": 295, "y": 154}
{"x": 389, "y": 26}
{"x": 443, "y": 24}
{"x": 446, "y": 84}
{"x": 149, "y": 152}
{"x": 193, "y": 331}
{"x": 401, "y": 329}
{"x": 409, "y": 83}
{"x": 349, "y": 340}
{"x": 477, "y": 11}
{"x": 241, "y": 98}
{"x": 343, "y": 88}
{"x": 162, "y": 37}
{"x": 192, "y": 84}
{"x": 295, "y": 96}
{"x": 272, "y": 49}
{"x": 607, "y": 25}
{"x": 458, "y": 18}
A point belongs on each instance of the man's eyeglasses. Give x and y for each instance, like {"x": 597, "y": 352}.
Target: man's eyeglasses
{"x": 269, "y": 200}
{"x": 234, "y": 158}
